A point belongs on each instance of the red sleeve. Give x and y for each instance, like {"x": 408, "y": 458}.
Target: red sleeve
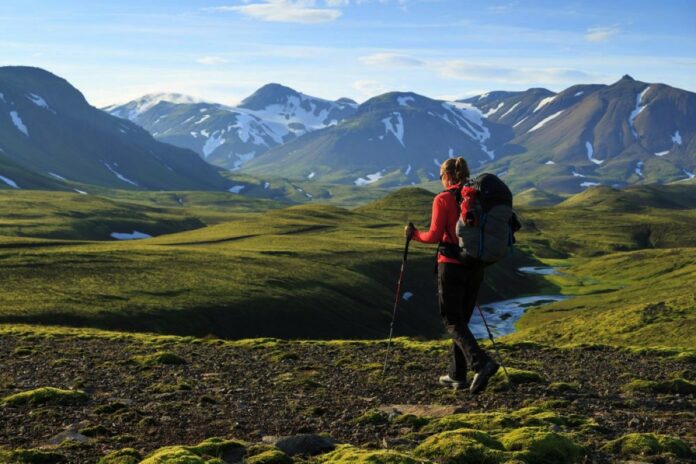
{"x": 437, "y": 223}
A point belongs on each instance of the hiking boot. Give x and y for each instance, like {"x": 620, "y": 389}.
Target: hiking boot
{"x": 448, "y": 381}
{"x": 482, "y": 377}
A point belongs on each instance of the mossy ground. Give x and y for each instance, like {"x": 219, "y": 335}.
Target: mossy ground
{"x": 232, "y": 388}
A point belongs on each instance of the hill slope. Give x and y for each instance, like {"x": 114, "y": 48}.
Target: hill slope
{"x": 52, "y": 137}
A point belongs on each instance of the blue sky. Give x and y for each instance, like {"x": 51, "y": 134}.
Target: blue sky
{"x": 223, "y": 50}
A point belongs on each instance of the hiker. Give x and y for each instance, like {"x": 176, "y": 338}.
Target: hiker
{"x": 458, "y": 282}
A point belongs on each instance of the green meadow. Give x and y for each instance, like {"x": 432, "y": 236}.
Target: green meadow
{"x": 237, "y": 267}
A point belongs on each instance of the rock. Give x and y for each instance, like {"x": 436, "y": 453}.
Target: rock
{"x": 634, "y": 422}
{"x": 305, "y": 444}
{"x": 71, "y": 435}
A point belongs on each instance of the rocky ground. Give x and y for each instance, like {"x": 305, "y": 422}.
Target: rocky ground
{"x": 604, "y": 404}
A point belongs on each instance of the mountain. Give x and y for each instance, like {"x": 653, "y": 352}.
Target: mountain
{"x": 393, "y": 139}
{"x": 50, "y": 137}
{"x": 230, "y": 136}
{"x": 625, "y": 133}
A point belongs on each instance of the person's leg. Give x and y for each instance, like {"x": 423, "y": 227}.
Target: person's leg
{"x": 471, "y": 278}
{"x": 449, "y": 299}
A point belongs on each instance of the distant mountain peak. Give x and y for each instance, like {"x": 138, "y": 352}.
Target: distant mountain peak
{"x": 267, "y": 95}
{"x": 627, "y": 78}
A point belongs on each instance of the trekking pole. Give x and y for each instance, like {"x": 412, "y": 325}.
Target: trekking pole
{"x": 396, "y": 303}
{"x": 495, "y": 347}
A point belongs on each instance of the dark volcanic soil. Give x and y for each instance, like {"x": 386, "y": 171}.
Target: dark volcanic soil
{"x": 250, "y": 391}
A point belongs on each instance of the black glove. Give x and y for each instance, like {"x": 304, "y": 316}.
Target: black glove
{"x": 409, "y": 230}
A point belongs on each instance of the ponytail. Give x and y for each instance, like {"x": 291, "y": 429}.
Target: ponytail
{"x": 457, "y": 170}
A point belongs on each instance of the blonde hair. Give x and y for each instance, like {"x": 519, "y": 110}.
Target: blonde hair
{"x": 456, "y": 169}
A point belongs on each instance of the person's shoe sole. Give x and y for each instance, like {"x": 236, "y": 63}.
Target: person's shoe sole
{"x": 456, "y": 384}
{"x": 481, "y": 379}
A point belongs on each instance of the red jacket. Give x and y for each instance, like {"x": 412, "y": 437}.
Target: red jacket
{"x": 443, "y": 225}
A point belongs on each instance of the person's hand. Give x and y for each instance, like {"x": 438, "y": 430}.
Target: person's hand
{"x": 409, "y": 230}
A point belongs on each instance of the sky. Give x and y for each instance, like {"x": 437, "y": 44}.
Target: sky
{"x": 222, "y": 51}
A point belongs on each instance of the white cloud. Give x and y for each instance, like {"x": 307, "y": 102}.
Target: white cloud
{"x": 601, "y": 34}
{"x": 388, "y": 59}
{"x": 469, "y": 71}
{"x": 286, "y": 11}
{"x": 211, "y": 60}
{"x": 369, "y": 88}
{"x": 337, "y": 3}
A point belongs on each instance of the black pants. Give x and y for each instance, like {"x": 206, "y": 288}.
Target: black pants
{"x": 458, "y": 287}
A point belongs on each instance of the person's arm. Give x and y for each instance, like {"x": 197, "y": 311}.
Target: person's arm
{"x": 437, "y": 224}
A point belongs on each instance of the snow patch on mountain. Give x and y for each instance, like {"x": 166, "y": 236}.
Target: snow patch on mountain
{"x": 40, "y": 102}
{"x": 81, "y": 192}
{"x": 212, "y": 144}
{"x": 396, "y": 128}
{"x": 18, "y": 123}
{"x": 53, "y": 174}
{"x": 510, "y": 110}
{"x": 590, "y": 153}
{"x": 9, "y": 182}
{"x": 311, "y": 175}
{"x": 589, "y": 184}
{"x": 368, "y": 179}
{"x": 549, "y": 162}
{"x": 577, "y": 174}
{"x": 690, "y": 175}
{"x": 469, "y": 120}
{"x": 408, "y": 170}
{"x": 404, "y": 101}
{"x": 236, "y": 189}
{"x": 545, "y": 121}
{"x": 492, "y": 111}
{"x": 243, "y": 158}
{"x": 662, "y": 153}
{"x": 135, "y": 235}
{"x": 544, "y": 102}
{"x": 636, "y": 111}
{"x": 2, "y": 97}
{"x": 266, "y": 185}
{"x": 119, "y": 175}
{"x": 203, "y": 119}
{"x": 639, "y": 168}
{"x": 520, "y": 121}
{"x": 579, "y": 93}
{"x": 676, "y": 138}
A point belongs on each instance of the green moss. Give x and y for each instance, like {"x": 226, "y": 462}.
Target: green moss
{"x": 30, "y": 456}
{"x": 517, "y": 376}
{"x": 47, "y": 395}
{"x": 274, "y": 456}
{"x": 481, "y": 421}
{"x": 411, "y": 420}
{"x": 564, "y": 387}
{"x": 349, "y": 455}
{"x": 462, "y": 446}
{"x": 110, "y": 408}
{"x": 96, "y": 431}
{"x": 198, "y": 454}
{"x": 686, "y": 356}
{"x": 123, "y": 456}
{"x": 672, "y": 386}
{"x": 538, "y": 446}
{"x": 372, "y": 416}
{"x": 216, "y": 447}
{"x": 161, "y": 357}
{"x": 173, "y": 455}
{"x": 641, "y": 444}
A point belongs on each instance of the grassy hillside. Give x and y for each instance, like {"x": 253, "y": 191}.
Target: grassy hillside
{"x": 639, "y": 298}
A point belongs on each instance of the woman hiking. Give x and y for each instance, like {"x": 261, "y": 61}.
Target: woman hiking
{"x": 458, "y": 282}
